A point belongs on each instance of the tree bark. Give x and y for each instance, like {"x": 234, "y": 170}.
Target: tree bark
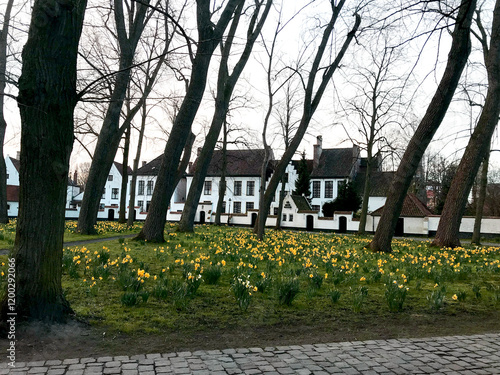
{"x": 311, "y": 102}
{"x": 456, "y": 200}
{"x": 483, "y": 184}
{"x": 47, "y": 98}
{"x": 4, "y": 32}
{"x": 457, "y": 58}
{"x": 209, "y": 36}
{"x": 111, "y": 133}
{"x": 222, "y": 183}
{"x": 225, "y": 86}
{"x": 366, "y": 193}
{"x": 123, "y": 193}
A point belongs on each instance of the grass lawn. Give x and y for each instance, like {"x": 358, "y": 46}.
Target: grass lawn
{"x": 104, "y": 229}
{"x": 220, "y": 287}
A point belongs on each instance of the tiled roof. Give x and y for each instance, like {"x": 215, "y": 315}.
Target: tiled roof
{"x": 239, "y": 163}
{"x": 12, "y": 193}
{"x": 301, "y": 202}
{"x": 120, "y": 168}
{"x": 151, "y": 168}
{"x": 334, "y": 163}
{"x": 412, "y": 207}
{"x": 379, "y": 183}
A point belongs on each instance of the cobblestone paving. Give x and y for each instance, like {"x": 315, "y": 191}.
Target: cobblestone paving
{"x": 479, "y": 354}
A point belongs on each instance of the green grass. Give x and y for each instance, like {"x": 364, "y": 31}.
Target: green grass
{"x": 104, "y": 229}
{"x": 136, "y": 287}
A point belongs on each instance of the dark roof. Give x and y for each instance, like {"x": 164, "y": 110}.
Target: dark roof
{"x": 301, "y": 202}
{"x": 16, "y": 162}
{"x": 309, "y": 163}
{"x": 379, "y": 183}
{"x": 412, "y": 207}
{"x": 238, "y": 163}
{"x": 335, "y": 163}
{"x": 151, "y": 168}
{"x": 120, "y": 168}
{"x": 12, "y": 193}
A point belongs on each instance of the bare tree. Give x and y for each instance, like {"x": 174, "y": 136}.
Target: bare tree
{"x": 225, "y": 86}
{"x": 47, "y": 99}
{"x": 312, "y": 99}
{"x": 209, "y": 37}
{"x": 433, "y": 117}
{"x": 111, "y": 132}
{"x": 478, "y": 146}
{"x": 377, "y": 107}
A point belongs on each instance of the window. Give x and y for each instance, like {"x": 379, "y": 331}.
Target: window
{"x": 103, "y": 193}
{"x": 208, "y": 188}
{"x": 237, "y": 207}
{"x": 290, "y": 217}
{"x": 275, "y": 211}
{"x": 114, "y": 193}
{"x": 284, "y": 217}
{"x": 141, "y": 205}
{"x": 237, "y": 187}
{"x": 141, "y": 187}
{"x": 223, "y": 207}
{"x": 316, "y": 189}
{"x": 249, "y": 206}
{"x": 328, "y": 189}
{"x": 250, "y": 188}
{"x": 150, "y": 188}
{"x": 101, "y": 206}
{"x": 315, "y": 207}
{"x": 110, "y": 177}
{"x": 288, "y": 204}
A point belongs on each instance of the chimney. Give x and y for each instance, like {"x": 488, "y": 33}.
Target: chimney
{"x": 144, "y": 162}
{"x": 75, "y": 178}
{"x": 317, "y": 151}
{"x": 18, "y": 155}
{"x": 356, "y": 160}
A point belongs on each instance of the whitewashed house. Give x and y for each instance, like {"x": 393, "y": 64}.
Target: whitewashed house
{"x": 146, "y": 182}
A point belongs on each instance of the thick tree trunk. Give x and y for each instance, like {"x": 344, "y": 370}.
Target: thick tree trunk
{"x": 47, "y": 98}
{"x": 311, "y": 102}
{"x": 111, "y": 133}
{"x": 209, "y": 37}
{"x": 483, "y": 184}
{"x": 478, "y": 146}
{"x": 4, "y": 32}
{"x": 123, "y": 193}
{"x": 457, "y": 58}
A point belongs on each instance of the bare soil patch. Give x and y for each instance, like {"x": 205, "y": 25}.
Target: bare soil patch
{"x": 38, "y": 341}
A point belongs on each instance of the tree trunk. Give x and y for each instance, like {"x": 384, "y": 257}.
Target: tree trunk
{"x": 123, "y": 193}
{"x": 47, "y": 98}
{"x": 366, "y": 195}
{"x": 483, "y": 184}
{"x": 4, "y": 32}
{"x": 457, "y": 58}
{"x": 209, "y": 37}
{"x": 222, "y": 183}
{"x": 311, "y": 102}
{"x": 456, "y": 200}
{"x": 111, "y": 133}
